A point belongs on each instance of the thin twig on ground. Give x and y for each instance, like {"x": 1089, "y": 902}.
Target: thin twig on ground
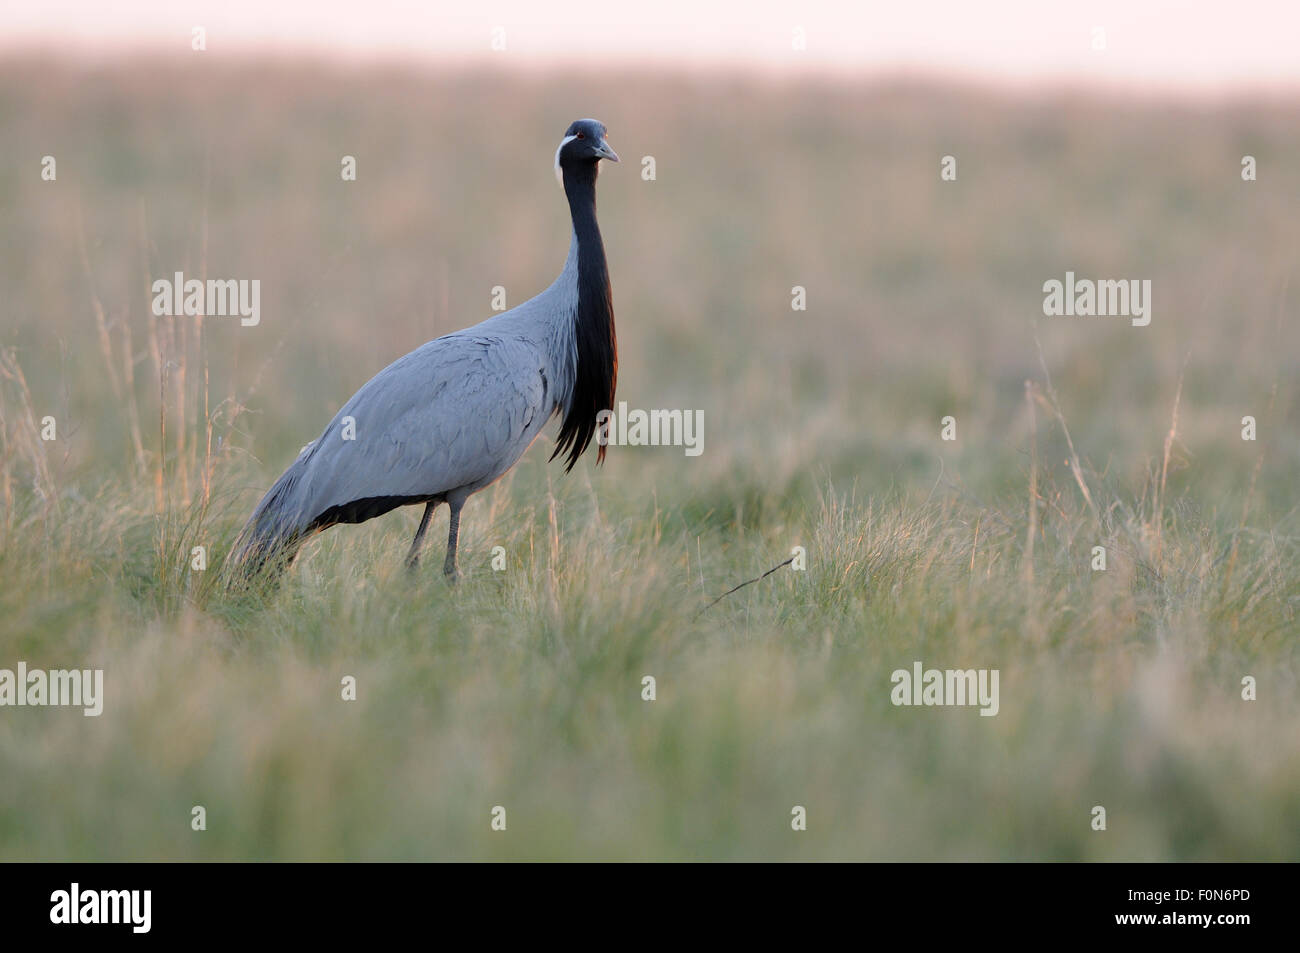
{"x": 744, "y": 584}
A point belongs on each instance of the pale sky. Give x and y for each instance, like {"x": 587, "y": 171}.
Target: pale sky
{"x": 1196, "y": 45}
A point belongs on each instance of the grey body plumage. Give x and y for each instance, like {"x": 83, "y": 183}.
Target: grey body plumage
{"x": 452, "y": 416}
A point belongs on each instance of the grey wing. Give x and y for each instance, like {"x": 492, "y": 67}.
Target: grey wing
{"x": 453, "y": 414}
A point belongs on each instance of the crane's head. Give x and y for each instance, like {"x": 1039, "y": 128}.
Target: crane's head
{"x": 583, "y": 144}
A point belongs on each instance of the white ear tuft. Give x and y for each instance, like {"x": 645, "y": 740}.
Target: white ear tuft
{"x": 559, "y": 176}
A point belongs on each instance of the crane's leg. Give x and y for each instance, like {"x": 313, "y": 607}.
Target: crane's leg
{"x": 449, "y": 567}
{"x": 413, "y": 557}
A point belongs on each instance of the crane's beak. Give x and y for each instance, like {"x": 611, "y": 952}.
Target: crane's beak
{"x": 605, "y": 152}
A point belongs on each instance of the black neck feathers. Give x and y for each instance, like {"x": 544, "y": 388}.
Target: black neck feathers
{"x": 597, "y": 368}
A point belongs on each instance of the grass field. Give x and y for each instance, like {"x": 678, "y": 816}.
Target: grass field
{"x": 523, "y": 688}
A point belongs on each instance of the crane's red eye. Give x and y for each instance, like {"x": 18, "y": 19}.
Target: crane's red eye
{"x": 581, "y": 135}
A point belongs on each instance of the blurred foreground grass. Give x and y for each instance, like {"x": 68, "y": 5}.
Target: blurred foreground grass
{"x": 523, "y": 688}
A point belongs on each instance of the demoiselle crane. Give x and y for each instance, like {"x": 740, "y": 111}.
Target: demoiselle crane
{"x": 452, "y": 416}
